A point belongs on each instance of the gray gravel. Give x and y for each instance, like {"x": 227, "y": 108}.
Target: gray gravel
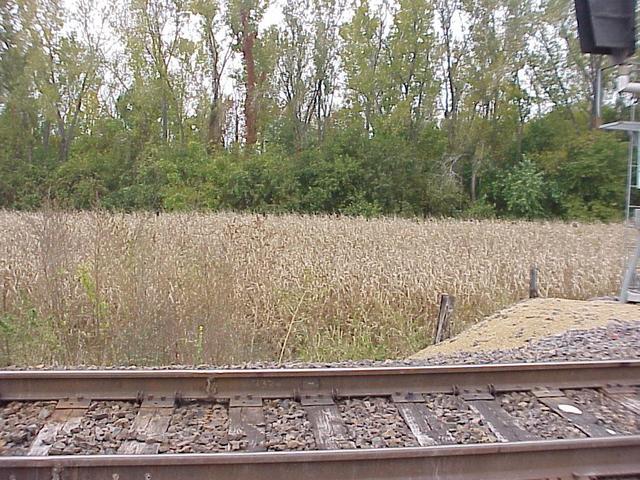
{"x": 463, "y": 424}
{"x": 287, "y": 426}
{"x": 20, "y": 423}
{"x": 198, "y": 427}
{"x": 617, "y": 340}
{"x": 375, "y": 423}
{"x": 102, "y": 430}
{"x": 533, "y": 416}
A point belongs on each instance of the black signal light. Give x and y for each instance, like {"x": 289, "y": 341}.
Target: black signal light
{"x": 607, "y": 27}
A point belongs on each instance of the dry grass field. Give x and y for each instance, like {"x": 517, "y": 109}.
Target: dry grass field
{"x": 98, "y": 288}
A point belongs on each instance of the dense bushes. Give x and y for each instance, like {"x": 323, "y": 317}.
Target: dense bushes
{"x": 556, "y": 171}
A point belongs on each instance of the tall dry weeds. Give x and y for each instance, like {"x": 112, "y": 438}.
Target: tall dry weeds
{"x": 98, "y": 288}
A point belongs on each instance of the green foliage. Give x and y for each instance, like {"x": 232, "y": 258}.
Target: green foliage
{"x": 523, "y": 190}
{"x": 593, "y": 177}
{"x": 480, "y": 210}
{"x": 569, "y": 174}
{"x": 27, "y": 333}
{"x": 100, "y": 307}
{"x": 565, "y": 172}
{"x": 348, "y": 116}
{"x": 359, "y": 206}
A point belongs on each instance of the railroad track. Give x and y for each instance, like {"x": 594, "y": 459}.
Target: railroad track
{"x": 520, "y": 421}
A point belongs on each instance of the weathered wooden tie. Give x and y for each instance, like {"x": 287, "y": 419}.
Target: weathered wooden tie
{"x": 152, "y": 421}
{"x": 246, "y": 422}
{"x": 415, "y": 414}
{"x": 582, "y": 420}
{"x": 326, "y": 422}
{"x": 66, "y": 416}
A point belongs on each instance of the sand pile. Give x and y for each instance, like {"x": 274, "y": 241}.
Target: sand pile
{"x": 533, "y": 319}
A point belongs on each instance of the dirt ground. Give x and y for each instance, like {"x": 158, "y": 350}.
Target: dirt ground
{"x": 532, "y": 319}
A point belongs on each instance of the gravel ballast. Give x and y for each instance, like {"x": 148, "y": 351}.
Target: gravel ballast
{"x": 102, "y": 430}
{"x": 287, "y": 426}
{"x": 199, "y": 427}
{"x": 20, "y": 422}
{"x": 375, "y": 423}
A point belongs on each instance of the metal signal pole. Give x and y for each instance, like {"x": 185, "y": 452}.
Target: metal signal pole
{"x": 609, "y": 28}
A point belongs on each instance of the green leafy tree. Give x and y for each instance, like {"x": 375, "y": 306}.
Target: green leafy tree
{"x": 363, "y": 59}
{"x": 412, "y": 59}
{"x": 523, "y": 190}
{"x": 244, "y": 17}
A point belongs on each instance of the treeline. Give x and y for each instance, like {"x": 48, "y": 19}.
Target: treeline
{"x": 414, "y": 107}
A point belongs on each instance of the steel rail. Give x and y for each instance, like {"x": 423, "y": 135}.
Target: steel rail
{"x": 582, "y": 458}
{"x": 292, "y": 383}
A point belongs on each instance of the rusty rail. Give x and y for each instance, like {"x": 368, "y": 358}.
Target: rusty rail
{"x": 584, "y": 458}
{"x": 581, "y": 458}
{"x": 293, "y": 383}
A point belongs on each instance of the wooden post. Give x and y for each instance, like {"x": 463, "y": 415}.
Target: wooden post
{"x": 443, "y": 327}
{"x": 533, "y": 283}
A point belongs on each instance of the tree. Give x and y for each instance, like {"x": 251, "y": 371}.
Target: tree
{"x": 363, "y": 60}
{"x": 455, "y": 51}
{"x": 414, "y": 107}
{"x": 11, "y": 52}
{"x": 326, "y": 51}
{"x": 243, "y": 18}
{"x": 489, "y": 109}
{"x": 412, "y": 58}
{"x": 294, "y": 70}
{"x": 561, "y": 73}
{"x": 523, "y": 190}
{"x": 63, "y": 67}
{"x": 155, "y": 33}
{"x": 306, "y": 69}
{"x": 216, "y": 55}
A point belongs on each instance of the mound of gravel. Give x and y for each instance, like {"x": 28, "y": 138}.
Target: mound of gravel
{"x": 615, "y": 341}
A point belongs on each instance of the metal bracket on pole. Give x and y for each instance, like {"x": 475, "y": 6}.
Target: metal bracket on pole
{"x": 629, "y": 289}
{"x": 624, "y": 83}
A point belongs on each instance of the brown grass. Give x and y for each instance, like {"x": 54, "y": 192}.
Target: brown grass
{"x": 98, "y": 288}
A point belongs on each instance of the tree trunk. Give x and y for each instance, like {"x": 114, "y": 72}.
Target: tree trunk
{"x": 46, "y": 133}
{"x": 595, "y": 64}
{"x": 165, "y": 119}
{"x": 250, "y": 108}
{"x": 63, "y": 151}
{"x": 474, "y": 179}
{"x": 236, "y": 121}
{"x": 214, "y": 127}
{"x": 62, "y": 147}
